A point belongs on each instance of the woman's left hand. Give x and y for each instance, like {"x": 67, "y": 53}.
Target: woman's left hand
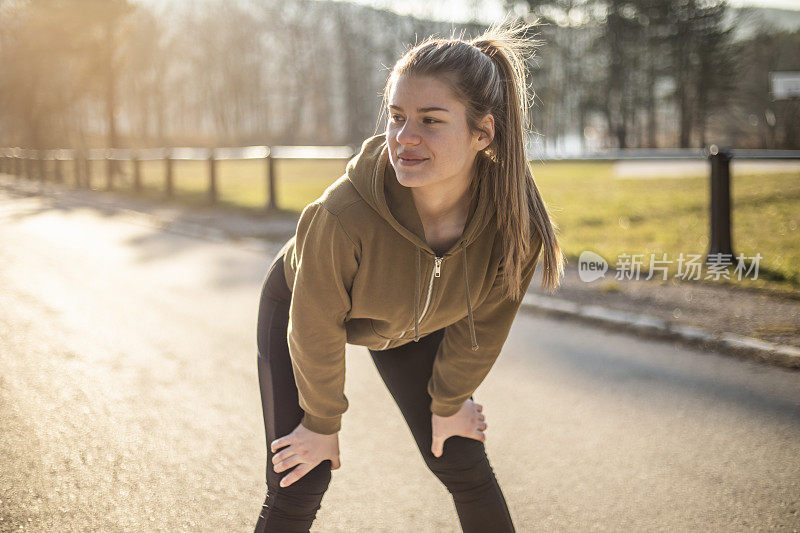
{"x": 469, "y": 422}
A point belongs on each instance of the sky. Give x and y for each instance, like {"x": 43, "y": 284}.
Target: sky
{"x": 485, "y": 11}
{"x": 492, "y": 10}
{"x": 781, "y": 4}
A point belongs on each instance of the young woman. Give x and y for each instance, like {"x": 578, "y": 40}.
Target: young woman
{"x": 421, "y": 252}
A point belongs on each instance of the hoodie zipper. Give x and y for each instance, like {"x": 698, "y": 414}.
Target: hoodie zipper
{"x": 437, "y": 270}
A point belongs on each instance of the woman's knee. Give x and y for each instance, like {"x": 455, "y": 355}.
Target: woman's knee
{"x": 295, "y": 507}
{"x": 459, "y": 455}
{"x": 313, "y": 484}
{"x": 469, "y": 484}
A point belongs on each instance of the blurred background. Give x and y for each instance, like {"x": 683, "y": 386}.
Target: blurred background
{"x": 186, "y": 100}
{"x": 638, "y": 73}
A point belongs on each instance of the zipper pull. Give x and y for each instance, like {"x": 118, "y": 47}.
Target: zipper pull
{"x": 438, "y": 267}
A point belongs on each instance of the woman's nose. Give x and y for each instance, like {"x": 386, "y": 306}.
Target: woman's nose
{"x": 407, "y": 135}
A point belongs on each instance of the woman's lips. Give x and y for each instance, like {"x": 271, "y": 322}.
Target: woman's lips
{"x": 411, "y": 162}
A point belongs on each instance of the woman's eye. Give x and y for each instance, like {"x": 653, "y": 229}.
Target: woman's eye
{"x": 427, "y": 120}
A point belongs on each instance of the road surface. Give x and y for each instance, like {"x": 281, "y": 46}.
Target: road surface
{"x": 129, "y": 402}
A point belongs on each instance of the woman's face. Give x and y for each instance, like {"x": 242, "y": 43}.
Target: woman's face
{"x": 427, "y": 133}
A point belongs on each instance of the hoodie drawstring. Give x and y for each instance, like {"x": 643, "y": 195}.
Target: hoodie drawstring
{"x": 469, "y": 304}
{"x": 416, "y": 300}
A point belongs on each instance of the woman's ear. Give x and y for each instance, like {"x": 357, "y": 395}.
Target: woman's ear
{"x": 486, "y": 133}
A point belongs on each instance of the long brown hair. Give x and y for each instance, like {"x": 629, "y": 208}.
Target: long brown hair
{"x": 489, "y": 75}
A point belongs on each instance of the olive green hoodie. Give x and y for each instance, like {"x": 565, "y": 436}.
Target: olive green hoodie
{"x": 361, "y": 272}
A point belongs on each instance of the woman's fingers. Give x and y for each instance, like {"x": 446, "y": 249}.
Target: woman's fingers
{"x": 287, "y": 463}
{"x": 281, "y": 455}
{"x": 336, "y": 463}
{"x": 437, "y": 446}
{"x": 281, "y": 442}
{"x": 296, "y": 474}
{"x": 479, "y": 407}
{"x": 480, "y": 435}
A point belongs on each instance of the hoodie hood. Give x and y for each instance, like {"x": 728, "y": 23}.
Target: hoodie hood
{"x": 373, "y": 176}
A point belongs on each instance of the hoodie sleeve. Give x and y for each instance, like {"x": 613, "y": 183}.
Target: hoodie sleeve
{"x": 325, "y": 261}
{"x": 457, "y": 369}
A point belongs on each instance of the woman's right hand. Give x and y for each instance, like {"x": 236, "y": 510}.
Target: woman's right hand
{"x": 306, "y": 449}
{"x": 468, "y": 422}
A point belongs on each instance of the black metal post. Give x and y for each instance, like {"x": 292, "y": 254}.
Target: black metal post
{"x": 720, "y": 216}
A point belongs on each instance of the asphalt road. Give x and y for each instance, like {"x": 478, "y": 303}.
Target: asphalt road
{"x": 129, "y": 402}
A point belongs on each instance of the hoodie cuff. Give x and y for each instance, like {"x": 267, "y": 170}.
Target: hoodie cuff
{"x": 324, "y": 426}
{"x": 444, "y": 410}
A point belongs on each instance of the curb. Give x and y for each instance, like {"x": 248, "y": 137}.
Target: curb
{"x": 776, "y": 354}
{"x": 749, "y": 347}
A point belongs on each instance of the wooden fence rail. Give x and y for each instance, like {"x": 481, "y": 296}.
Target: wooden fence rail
{"x": 30, "y": 164}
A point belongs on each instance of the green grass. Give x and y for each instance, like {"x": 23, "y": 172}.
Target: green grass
{"x": 593, "y": 210}
{"x": 611, "y": 216}
{"x": 240, "y": 183}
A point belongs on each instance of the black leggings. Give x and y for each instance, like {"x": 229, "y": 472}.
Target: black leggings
{"x": 463, "y": 468}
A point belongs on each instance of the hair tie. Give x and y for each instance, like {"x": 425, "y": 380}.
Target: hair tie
{"x": 481, "y": 50}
